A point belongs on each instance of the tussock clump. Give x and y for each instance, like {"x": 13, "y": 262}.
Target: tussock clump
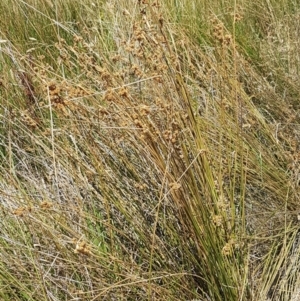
{"x": 145, "y": 157}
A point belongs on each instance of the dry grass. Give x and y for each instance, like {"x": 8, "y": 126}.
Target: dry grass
{"x": 149, "y": 151}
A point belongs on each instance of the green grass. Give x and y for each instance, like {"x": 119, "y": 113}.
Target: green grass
{"x": 149, "y": 150}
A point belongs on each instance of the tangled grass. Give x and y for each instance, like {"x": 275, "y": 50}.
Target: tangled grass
{"x": 149, "y": 150}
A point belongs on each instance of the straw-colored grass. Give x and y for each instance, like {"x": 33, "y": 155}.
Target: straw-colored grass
{"x": 149, "y": 150}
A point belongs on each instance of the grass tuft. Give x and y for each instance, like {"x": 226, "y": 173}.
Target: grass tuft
{"x": 149, "y": 150}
